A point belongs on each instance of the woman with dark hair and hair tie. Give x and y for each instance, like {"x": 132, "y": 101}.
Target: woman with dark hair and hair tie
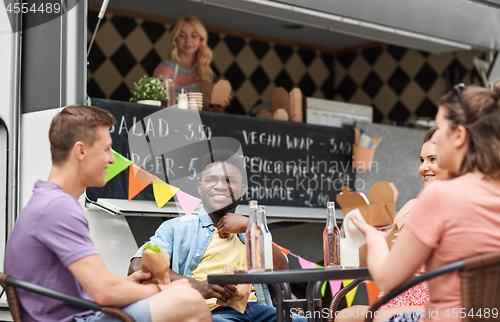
{"x": 452, "y": 219}
{"x": 414, "y": 298}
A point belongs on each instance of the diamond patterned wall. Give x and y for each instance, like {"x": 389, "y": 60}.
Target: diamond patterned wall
{"x": 127, "y": 48}
{"x": 400, "y": 84}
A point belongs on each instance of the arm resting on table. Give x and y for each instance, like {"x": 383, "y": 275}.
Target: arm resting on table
{"x": 224, "y": 293}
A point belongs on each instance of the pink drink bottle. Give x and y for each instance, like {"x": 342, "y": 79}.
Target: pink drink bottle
{"x": 331, "y": 239}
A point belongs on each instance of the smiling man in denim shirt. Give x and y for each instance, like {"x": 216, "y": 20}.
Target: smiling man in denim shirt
{"x": 203, "y": 244}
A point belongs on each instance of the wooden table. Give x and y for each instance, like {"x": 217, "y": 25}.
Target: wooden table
{"x": 313, "y": 277}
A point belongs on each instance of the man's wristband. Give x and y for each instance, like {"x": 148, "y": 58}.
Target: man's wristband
{"x": 156, "y": 288}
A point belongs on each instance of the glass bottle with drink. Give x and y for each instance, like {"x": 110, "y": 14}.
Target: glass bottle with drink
{"x": 169, "y": 86}
{"x": 254, "y": 238}
{"x": 268, "y": 239}
{"x": 331, "y": 239}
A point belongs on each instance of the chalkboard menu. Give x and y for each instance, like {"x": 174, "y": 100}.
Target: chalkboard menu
{"x": 287, "y": 163}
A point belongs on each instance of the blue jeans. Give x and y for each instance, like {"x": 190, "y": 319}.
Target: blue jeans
{"x": 255, "y": 312}
{"x": 138, "y": 310}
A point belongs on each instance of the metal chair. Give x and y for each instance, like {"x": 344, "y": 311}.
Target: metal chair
{"x": 10, "y": 284}
{"x": 480, "y": 276}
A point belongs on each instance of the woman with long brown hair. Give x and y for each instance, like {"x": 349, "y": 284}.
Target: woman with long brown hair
{"x": 414, "y": 298}
{"x": 452, "y": 219}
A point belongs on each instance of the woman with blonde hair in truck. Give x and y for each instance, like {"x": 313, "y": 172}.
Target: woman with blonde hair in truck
{"x": 190, "y": 60}
{"x": 191, "y": 57}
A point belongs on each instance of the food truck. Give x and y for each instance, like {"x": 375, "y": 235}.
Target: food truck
{"x": 358, "y": 51}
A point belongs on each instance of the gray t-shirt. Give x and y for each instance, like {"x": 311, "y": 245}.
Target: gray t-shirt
{"x": 50, "y": 233}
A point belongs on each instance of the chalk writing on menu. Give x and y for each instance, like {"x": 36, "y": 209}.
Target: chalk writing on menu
{"x": 301, "y": 172}
{"x": 287, "y": 164}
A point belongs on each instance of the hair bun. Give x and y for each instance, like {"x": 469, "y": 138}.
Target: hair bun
{"x": 496, "y": 91}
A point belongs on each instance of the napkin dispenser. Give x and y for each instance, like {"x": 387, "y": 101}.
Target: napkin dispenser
{"x": 381, "y": 207}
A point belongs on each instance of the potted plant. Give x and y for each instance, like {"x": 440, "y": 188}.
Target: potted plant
{"x": 148, "y": 90}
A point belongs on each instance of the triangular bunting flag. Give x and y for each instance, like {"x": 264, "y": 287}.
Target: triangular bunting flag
{"x": 138, "y": 179}
{"x": 283, "y": 249}
{"x": 305, "y": 264}
{"x": 361, "y": 297}
{"x": 335, "y": 286}
{"x": 121, "y": 163}
{"x": 188, "y": 203}
{"x": 372, "y": 290}
{"x": 323, "y": 288}
{"x": 163, "y": 192}
{"x": 349, "y": 296}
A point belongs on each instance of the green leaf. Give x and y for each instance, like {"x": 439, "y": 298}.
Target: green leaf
{"x": 153, "y": 247}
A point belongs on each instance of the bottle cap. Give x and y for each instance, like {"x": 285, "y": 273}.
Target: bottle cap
{"x": 182, "y": 95}
{"x": 253, "y": 203}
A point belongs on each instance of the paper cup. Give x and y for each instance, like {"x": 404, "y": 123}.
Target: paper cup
{"x": 349, "y": 257}
{"x": 192, "y": 105}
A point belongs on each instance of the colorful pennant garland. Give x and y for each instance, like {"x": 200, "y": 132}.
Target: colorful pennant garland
{"x": 121, "y": 163}
{"x": 335, "y": 285}
{"x": 188, "y": 203}
{"x": 163, "y": 192}
{"x": 305, "y": 264}
{"x": 349, "y": 297}
{"x": 282, "y": 249}
{"x": 372, "y": 291}
{"x": 140, "y": 179}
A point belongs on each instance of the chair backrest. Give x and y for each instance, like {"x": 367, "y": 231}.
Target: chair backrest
{"x": 12, "y": 299}
{"x": 481, "y": 287}
{"x": 9, "y": 284}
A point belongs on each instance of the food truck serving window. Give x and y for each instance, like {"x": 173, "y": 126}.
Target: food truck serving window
{"x": 287, "y": 164}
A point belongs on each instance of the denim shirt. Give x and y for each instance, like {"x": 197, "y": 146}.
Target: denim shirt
{"x": 185, "y": 239}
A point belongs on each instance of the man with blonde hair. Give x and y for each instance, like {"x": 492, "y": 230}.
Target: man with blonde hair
{"x": 50, "y": 244}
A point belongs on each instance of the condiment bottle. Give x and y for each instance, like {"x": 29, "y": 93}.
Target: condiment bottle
{"x": 182, "y": 101}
